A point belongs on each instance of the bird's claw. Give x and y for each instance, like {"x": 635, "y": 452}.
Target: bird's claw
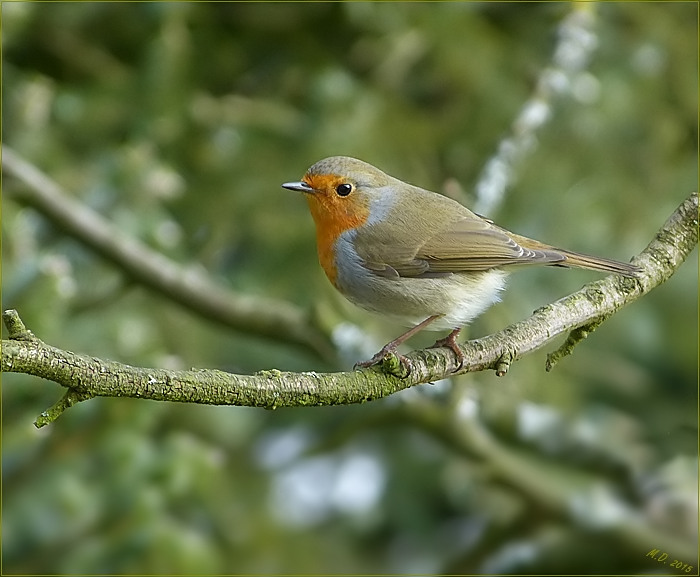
{"x": 450, "y": 342}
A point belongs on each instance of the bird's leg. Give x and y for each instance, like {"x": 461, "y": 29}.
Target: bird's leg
{"x": 393, "y": 345}
{"x": 450, "y": 341}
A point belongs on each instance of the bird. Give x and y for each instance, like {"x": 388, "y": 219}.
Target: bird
{"x": 416, "y": 256}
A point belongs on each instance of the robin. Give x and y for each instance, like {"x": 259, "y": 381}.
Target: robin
{"x": 416, "y": 256}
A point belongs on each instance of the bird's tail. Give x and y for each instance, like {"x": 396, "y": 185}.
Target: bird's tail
{"x": 579, "y": 260}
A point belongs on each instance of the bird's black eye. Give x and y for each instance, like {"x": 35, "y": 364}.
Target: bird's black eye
{"x": 343, "y": 189}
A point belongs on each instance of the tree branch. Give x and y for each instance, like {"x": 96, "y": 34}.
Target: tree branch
{"x": 274, "y": 319}
{"x": 87, "y": 376}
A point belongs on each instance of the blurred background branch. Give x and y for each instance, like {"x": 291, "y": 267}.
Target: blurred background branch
{"x": 560, "y": 493}
{"x": 188, "y": 286}
{"x": 566, "y": 76}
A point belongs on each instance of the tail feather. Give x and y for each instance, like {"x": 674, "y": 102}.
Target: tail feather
{"x": 579, "y": 260}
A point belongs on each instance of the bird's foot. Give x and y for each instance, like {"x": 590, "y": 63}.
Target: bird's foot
{"x": 391, "y": 361}
{"x": 450, "y": 341}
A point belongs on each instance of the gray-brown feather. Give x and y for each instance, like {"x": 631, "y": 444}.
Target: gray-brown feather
{"x": 438, "y": 236}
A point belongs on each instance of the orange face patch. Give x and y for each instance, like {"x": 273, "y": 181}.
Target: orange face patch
{"x": 333, "y": 215}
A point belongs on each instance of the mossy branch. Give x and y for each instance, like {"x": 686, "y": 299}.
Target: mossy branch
{"x": 87, "y": 377}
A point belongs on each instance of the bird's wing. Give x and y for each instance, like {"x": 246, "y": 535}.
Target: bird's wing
{"x": 474, "y": 244}
{"x": 469, "y": 244}
{"x": 438, "y": 236}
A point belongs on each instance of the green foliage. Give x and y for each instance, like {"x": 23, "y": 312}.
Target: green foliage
{"x": 179, "y": 121}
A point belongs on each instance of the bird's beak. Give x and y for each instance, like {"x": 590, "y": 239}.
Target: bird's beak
{"x": 298, "y": 186}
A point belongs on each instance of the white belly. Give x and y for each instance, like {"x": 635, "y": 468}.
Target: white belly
{"x": 459, "y": 297}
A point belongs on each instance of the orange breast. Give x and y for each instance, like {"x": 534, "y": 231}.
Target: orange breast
{"x": 333, "y": 215}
